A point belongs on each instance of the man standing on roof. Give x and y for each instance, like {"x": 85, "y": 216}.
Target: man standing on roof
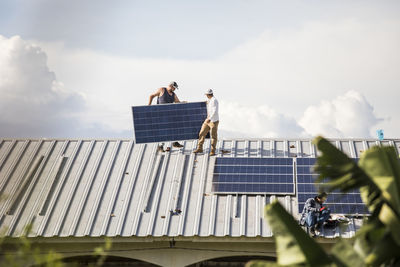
{"x": 210, "y": 124}
{"x": 166, "y": 95}
{"x": 314, "y": 213}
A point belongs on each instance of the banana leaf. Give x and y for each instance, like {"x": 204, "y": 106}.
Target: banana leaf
{"x": 338, "y": 171}
{"x": 383, "y": 166}
{"x": 344, "y": 255}
{"x": 293, "y": 245}
{"x": 378, "y": 177}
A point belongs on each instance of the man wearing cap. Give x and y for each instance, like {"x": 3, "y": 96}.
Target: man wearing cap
{"x": 314, "y": 213}
{"x": 210, "y": 124}
{"x": 166, "y": 95}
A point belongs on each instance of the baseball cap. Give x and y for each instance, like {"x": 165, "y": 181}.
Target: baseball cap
{"x": 174, "y": 84}
{"x": 209, "y": 92}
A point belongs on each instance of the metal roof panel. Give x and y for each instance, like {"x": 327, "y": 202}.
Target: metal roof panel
{"x": 114, "y": 187}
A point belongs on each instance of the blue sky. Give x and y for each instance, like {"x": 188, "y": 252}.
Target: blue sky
{"x": 172, "y": 29}
{"x": 292, "y": 68}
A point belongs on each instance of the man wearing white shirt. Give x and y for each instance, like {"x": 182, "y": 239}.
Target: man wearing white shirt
{"x": 210, "y": 124}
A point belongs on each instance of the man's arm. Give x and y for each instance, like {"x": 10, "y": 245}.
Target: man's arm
{"x": 157, "y": 93}
{"x": 176, "y": 99}
{"x": 309, "y": 205}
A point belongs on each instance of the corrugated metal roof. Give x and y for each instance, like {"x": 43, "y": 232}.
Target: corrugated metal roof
{"x": 116, "y": 188}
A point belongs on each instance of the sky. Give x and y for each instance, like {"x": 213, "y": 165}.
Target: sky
{"x": 288, "y": 69}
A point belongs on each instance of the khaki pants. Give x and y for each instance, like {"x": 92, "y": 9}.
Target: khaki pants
{"x": 205, "y": 128}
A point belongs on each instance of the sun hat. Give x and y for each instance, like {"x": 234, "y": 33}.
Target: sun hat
{"x": 173, "y": 84}
{"x": 209, "y": 92}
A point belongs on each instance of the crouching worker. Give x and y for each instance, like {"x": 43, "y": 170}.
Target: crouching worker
{"x": 314, "y": 213}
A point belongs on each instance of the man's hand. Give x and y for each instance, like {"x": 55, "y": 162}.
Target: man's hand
{"x": 208, "y": 120}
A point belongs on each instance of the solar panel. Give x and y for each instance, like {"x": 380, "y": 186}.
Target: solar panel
{"x": 168, "y": 122}
{"x": 338, "y": 202}
{"x": 253, "y": 176}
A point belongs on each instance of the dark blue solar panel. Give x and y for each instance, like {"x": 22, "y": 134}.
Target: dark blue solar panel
{"x": 253, "y": 176}
{"x": 344, "y": 208}
{"x": 168, "y": 122}
{"x": 338, "y": 202}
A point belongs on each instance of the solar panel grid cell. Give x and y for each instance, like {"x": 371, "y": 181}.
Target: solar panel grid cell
{"x": 345, "y": 208}
{"x": 253, "y": 175}
{"x": 339, "y": 202}
{"x": 168, "y": 122}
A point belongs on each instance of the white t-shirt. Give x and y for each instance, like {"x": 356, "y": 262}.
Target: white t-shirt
{"x": 212, "y": 109}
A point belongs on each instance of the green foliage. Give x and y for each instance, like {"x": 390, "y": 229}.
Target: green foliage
{"x": 101, "y": 252}
{"x": 377, "y": 243}
{"x": 262, "y": 264}
{"x": 294, "y": 246}
{"x": 18, "y": 252}
{"x": 378, "y": 177}
{"x": 343, "y": 254}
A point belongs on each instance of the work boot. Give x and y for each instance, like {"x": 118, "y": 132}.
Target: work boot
{"x": 312, "y": 232}
{"x": 318, "y": 227}
{"x": 199, "y": 150}
{"x": 176, "y": 144}
{"x": 212, "y": 153}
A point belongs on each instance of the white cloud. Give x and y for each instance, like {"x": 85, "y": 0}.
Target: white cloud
{"x": 33, "y": 102}
{"x": 349, "y": 115}
{"x": 241, "y": 121}
{"x": 272, "y": 79}
{"x": 287, "y": 70}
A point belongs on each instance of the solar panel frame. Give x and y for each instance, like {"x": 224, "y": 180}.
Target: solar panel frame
{"x": 168, "y": 122}
{"x": 236, "y": 175}
{"x": 338, "y": 202}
